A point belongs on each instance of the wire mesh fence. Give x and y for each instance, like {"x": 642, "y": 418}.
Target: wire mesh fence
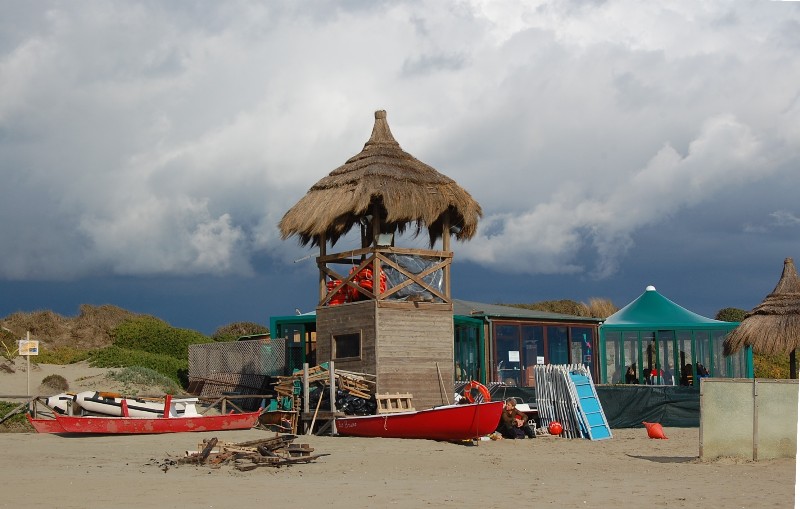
{"x": 236, "y": 367}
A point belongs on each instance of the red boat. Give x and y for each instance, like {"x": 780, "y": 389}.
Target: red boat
{"x": 45, "y": 425}
{"x": 451, "y": 422}
{"x": 177, "y": 416}
{"x": 144, "y": 425}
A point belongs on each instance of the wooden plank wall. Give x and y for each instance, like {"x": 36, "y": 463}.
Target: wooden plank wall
{"x": 347, "y": 319}
{"x": 401, "y": 343}
{"x": 410, "y": 341}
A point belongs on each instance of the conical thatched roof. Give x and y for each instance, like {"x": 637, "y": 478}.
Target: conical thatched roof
{"x": 772, "y": 327}
{"x": 406, "y": 191}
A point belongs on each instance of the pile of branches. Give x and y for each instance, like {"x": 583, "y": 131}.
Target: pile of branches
{"x": 269, "y": 452}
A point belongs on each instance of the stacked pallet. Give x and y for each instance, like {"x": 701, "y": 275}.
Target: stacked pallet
{"x": 359, "y": 385}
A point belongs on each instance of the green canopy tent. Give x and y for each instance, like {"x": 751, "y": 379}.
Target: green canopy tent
{"x": 662, "y": 343}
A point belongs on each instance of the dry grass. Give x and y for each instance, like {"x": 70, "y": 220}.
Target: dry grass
{"x": 597, "y": 307}
{"x": 90, "y": 329}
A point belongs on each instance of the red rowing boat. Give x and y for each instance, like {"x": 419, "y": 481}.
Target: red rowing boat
{"x": 451, "y": 422}
{"x": 176, "y": 416}
{"x": 95, "y": 424}
{"x": 45, "y": 425}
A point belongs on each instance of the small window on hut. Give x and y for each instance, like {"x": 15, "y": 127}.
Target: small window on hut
{"x": 347, "y": 346}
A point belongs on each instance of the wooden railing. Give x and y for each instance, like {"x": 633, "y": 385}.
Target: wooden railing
{"x": 378, "y": 257}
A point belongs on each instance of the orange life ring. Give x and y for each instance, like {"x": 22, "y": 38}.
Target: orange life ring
{"x": 481, "y": 388}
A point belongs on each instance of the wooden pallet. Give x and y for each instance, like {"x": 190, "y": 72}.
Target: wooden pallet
{"x": 392, "y": 403}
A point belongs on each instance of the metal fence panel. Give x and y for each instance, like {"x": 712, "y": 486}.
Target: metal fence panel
{"x": 748, "y": 418}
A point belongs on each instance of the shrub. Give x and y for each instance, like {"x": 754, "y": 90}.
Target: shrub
{"x": 18, "y": 423}
{"x": 601, "y": 308}
{"x": 138, "y": 375}
{"x": 8, "y": 349}
{"x": 771, "y": 366}
{"x": 731, "y": 315}
{"x": 564, "y": 307}
{"x": 62, "y": 355}
{"x": 118, "y": 357}
{"x": 234, "y": 331}
{"x": 155, "y": 336}
{"x": 56, "y": 382}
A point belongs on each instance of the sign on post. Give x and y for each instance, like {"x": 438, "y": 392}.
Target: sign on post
{"x": 28, "y": 347}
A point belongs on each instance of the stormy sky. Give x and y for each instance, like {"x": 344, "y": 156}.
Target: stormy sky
{"x": 149, "y": 149}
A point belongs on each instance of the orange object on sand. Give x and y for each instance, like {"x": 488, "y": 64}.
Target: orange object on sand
{"x": 654, "y": 430}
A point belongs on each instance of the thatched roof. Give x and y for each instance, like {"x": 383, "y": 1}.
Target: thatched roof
{"x": 405, "y": 190}
{"x": 772, "y": 327}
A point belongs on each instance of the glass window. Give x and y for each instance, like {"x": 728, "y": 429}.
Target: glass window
{"x": 720, "y": 366}
{"x": 685, "y": 356}
{"x": 631, "y": 367}
{"x": 532, "y": 351}
{"x": 507, "y": 341}
{"x": 614, "y": 363}
{"x": 347, "y": 346}
{"x": 665, "y": 363}
{"x": 703, "y": 363}
{"x": 581, "y": 339}
{"x": 466, "y": 363}
{"x": 650, "y": 356}
{"x": 558, "y": 345}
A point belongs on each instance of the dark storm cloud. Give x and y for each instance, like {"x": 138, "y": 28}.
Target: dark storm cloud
{"x": 162, "y": 140}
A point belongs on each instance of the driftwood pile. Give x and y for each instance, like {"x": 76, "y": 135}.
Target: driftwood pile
{"x": 269, "y": 452}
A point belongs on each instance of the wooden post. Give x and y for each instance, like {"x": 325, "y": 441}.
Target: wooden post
{"x": 305, "y": 388}
{"x": 28, "y": 360}
{"x": 310, "y": 429}
{"x": 441, "y": 383}
{"x": 332, "y": 395}
{"x": 323, "y": 287}
{"x": 446, "y": 248}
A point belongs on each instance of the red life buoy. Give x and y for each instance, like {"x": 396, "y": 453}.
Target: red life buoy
{"x": 481, "y": 388}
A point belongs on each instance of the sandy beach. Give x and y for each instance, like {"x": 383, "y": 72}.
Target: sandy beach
{"x": 628, "y": 470}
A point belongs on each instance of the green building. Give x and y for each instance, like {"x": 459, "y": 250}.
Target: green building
{"x": 654, "y": 341}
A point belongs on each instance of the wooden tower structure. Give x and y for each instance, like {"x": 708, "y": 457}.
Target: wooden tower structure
{"x": 384, "y": 309}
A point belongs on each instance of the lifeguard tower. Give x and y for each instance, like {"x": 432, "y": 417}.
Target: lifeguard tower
{"x": 384, "y": 309}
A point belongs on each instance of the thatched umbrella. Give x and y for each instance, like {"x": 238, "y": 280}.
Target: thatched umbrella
{"x": 382, "y": 179}
{"x": 773, "y": 327}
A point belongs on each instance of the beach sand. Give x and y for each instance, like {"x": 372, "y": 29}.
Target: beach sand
{"x": 628, "y": 470}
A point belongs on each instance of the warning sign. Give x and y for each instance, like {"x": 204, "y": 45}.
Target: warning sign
{"x": 28, "y": 347}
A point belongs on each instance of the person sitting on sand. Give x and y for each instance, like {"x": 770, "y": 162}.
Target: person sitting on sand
{"x": 513, "y": 423}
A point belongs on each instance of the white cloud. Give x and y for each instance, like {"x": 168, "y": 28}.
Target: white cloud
{"x": 167, "y": 139}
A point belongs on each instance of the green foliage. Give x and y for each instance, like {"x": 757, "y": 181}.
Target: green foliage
{"x": 16, "y": 423}
{"x": 234, "y": 331}
{"x": 138, "y": 375}
{"x": 731, "y": 315}
{"x": 62, "y": 355}
{"x": 118, "y": 357}
{"x": 155, "y": 336}
{"x": 771, "y": 366}
{"x": 8, "y": 349}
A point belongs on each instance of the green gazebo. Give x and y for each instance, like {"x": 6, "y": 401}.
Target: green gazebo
{"x": 655, "y": 341}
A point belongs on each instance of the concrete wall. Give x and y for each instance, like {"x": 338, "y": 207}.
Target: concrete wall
{"x": 745, "y": 418}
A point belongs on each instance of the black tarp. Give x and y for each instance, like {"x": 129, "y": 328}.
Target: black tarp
{"x": 626, "y": 406}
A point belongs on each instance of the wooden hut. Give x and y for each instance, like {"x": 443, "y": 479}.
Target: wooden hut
{"x": 384, "y": 309}
{"x": 773, "y": 327}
